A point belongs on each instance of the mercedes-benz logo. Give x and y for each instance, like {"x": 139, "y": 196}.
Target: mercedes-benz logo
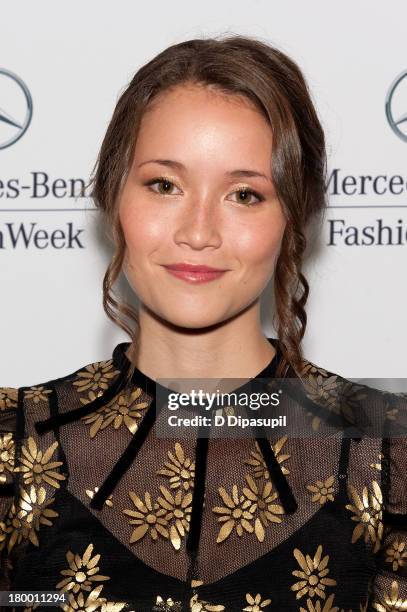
{"x": 15, "y": 96}
{"x": 396, "y": 103}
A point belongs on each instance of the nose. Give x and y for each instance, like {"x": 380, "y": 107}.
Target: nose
{"x": 199, "y": 224}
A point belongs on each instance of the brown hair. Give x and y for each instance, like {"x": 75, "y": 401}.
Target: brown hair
{"x": 240, "y": 65}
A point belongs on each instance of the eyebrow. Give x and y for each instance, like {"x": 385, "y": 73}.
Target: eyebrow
{"x": 232, "y": 173}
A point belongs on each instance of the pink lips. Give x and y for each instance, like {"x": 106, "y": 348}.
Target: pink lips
{"x": 194, "y": 273}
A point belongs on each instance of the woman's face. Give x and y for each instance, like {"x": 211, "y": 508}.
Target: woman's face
{"x": 204, "y": 211}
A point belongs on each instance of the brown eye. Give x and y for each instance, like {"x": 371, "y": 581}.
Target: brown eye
{"x": 165, "y": 186}
{"x": 245, "y": 194}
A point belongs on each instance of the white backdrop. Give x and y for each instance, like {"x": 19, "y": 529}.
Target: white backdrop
{"x": 75, "y": 58}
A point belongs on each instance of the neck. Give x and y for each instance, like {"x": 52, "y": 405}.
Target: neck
{"x": 237, "y": 348}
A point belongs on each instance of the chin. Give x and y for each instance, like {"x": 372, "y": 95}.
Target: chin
{"x": 191, "y": 320}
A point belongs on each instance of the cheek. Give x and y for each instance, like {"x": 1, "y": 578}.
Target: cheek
{"x": 143, "y": 233}
{"x": 259, "y": 249}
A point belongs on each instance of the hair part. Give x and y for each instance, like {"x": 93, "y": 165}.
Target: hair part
{"x": 243, "y": 66}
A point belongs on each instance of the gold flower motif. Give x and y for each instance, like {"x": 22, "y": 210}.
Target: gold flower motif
{"x": 322, "y": 390}
{"x": 30, "y": 514}
{"x": 148, "y": 517}
{"x": 179, "y": 512}
{"x": 257, "y": 460}
{"x": 82, "y": 572}
{"x": 391, "y": 414}
{"x": 166, "y": 606}
{"x": 4, "y": 530}
{"x": 392, "y": 602}
{"x": 262, "y": 501}
{"x": 7, "y": 456}
{"x": 204, "y": 606}
{"x": 255, "y": 603}
{"x": 95, "y": 377}
{"x": 313, "y": 574}
{"x": 83, "y": 601}
{"x": 327, "y": 606}
{"x": 37, "y": 394}
{"x": 311, "y": 368}
{"x": 91, "y": 397}
{"x": 322, "y": 490}
{"x": 180, "y": 470}
{"x": 396, "y": 554}
{"x": 236, "y": 514}
{"x": 8, "y": 398}
{"x": 36, "y": 466}
{"x": 378, "y": 465}
{"x": 338, "y": 395}
{"x": 368, "y": 512}
{"x": 90, "y": 493}
{"x": 118, "y": 411}
{"x": 111, "y": 606}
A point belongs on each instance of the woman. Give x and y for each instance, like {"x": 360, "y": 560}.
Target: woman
{"x": 211, "y": 170}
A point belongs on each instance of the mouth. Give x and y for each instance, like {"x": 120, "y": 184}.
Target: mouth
{"x": 194, "y": 273}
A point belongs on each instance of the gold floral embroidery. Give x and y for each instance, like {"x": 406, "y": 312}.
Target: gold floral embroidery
{"x": 257, "y": 460}
{"x": 7, "y": 456}
{"x": 378, "y": 465}
{"x": 179, "y": 511}
{"x": 239, "y": 510}
{"x": 32, "y": 512}
{"x": 322, "y": 490}
{"x": 170, "y": 605}
{"x": 148, "y": 517}
{"x": 334, "y": 393}
{"x": 166, "y": 606}
{"x": 82, "y": 571}
{"x": 118, "y": 411}
{"x": 204, "y": 606}
{"x": 313, "y": 574}
{"x": 168, "y": 516}
{"x": 311, "y": 368}
{"x": 255, "y": 603}
{"x": 368, "y": 512}
{"x": 90, "y": 493}
{"x": 321, "y": 390}
{"x": 92, "y": 602}
{"x": 396, "y": 554}
{"x": 81, "y": 576}
{"x": 4, "y": 530}
{"x": 229, "y": 410}
{"x": 88, "y": 602}
{"x": 37, "y": 394}
{"x": 236, "y": 514}
{"x": 327, "y": 606}
{"x": 392, "y": 602}
{"x": 95, "y": 376}
{"x": 8, "y": 398}
{"x": 180, "y": 470}
{"x": 391, "y": 414}
{"x": 324, "y": 390}
{"x": 36, "y": 466}
{"x": 263, "y": 502}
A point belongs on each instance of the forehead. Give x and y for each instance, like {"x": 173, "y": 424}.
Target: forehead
{"x": 192, "y": 118}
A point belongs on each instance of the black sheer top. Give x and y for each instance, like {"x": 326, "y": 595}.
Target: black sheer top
{"x": 98, "y": 507}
